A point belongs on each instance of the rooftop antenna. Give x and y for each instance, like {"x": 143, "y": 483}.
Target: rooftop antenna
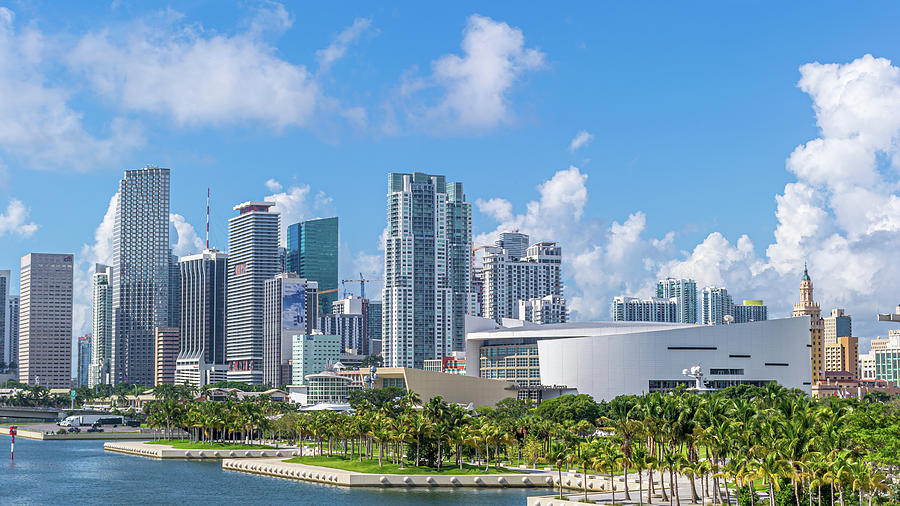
{"x": 207, "y": 218}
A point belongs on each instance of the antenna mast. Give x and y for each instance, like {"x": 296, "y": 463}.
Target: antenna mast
{"x": 207, "y": 218}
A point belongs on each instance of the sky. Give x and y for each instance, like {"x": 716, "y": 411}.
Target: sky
{"x": 729, "y": 142}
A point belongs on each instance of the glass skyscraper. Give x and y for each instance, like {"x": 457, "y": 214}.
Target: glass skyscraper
{"x": 685, "y": 293}
{"x": 312, "y": 253}
{"x": 140, "y": 273}
{"x": 101, "y": 326}
{"x": 202, "y": 316}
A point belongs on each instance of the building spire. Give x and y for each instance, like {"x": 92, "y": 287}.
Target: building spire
{"x": 805, "y": 273}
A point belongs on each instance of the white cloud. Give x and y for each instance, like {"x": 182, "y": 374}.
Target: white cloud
{"x": 15, "y": 219}
{"x": 39, "y": 126}
{"x": 472, "y": 90}
{"x": 274, "y": 186}
{"x": 100, "y": 251}
{"x": 187, "y": 242}
{"x": 334, "y": 52}
{"x": 583, "y": 138}
{"x": 198, "y": 76}
{"x": 295, "y": 205}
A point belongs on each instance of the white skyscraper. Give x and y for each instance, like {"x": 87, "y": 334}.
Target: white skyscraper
{"x": 509, "y": 279}
{"x": 253, "y": 258}
{"x": 140, "y": 273}
{"x": 428, "y": 271}
{"x": 101, "y": 327}
{"x": 633, "y": 309}
{"x": 13, "y": 339}
{"x": 715, "y": 304}
{"x": 684, "y": 291}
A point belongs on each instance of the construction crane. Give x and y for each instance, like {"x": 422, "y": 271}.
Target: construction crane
{"x": 362, "y": 283}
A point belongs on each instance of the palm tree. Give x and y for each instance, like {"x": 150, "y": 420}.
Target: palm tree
{"x": 771, "y": 467}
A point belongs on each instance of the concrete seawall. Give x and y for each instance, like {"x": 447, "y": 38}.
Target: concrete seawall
{"x": 80, "y": 436}
{"x": 167, "y": 452}
{"x": 281, "y": 469}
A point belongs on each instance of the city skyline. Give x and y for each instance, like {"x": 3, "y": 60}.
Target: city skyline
{"x": 615, "y": 242}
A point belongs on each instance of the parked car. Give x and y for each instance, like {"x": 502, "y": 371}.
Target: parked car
{"x": 95, "y": 428}
{"x": 74, "y": 430}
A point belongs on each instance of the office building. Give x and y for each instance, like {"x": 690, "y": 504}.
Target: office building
{"x": 312, "y": 253}
{"x": 140, "y": 273}
{"x": 290, "y": 308}
{"x": 174, "y": 291}
{"x": 6, "y": 356}
{"x": 715, "y": 305}
{"x": 867, "y": 366}
{"x": 836, "y": 325}
{"x": 453, "y": 364}
{"x": 353, "y": 305}
{"x": 13, "y": 315}
{"x": 887, "y": 365}
{"x": 608, "y": 359}
{"x": 167, "y": 340}
{"x": 45, "y": 320}
{"x": 202, "y": 278}
{"x": 842, "y": 356}
{"x": 515, "y": 243}
{"x": 83, "y": 347}
{"x": 252, "y": 260}
{"x": 428, "y": 272}
{"x": 684, "y": 291}
{"x": 633, "y": 309}
{"x": 101, "y": 326}
{"x": 809, "y": 307}
{"x": 750, "y": 311}
{"x": 373, "y": 328}
{"x": 312, "y": 354}
{"x": 544, "y": 310}
{"x": 509, "y": 279}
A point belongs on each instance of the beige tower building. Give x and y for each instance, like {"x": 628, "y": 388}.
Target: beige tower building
{"x": 843, "y": 356}
{"x": 809, "y": 307}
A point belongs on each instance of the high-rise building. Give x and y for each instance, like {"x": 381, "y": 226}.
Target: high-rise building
{"x": 716, "y": 303}
{"x": 809, "y": 307}
{"x": 867, "y": 366}
{"x": 373, "y": 327}
{"x": 140, "y": 273}
{"x": 750, "y": 311}
{"x": 5, "y": 341}
{"x": 13, "y": 315}
{"x": 45, "y": 324}
{"x": 347, "y": 325}
{"x": 842, "y": 356}
{"x": 290, "y": 309}
{"x": 312, "y": 354}
{"x": 101, "y": 327}
{"x": 252, "y": 259}
{"x": 684, "y": 291}
{"x": 165, "y": 354}
{"x": 202, "y": 330}
{"x": 312, "y": 253}
{"x": 509, "y": 279}
{"x": 174, "y": 291}
{"x": 654, "y": 309}
{"x": 544, "y": 310}
{"x": 837, "y": 325}
{"x": 84, "y": 360}
{"x": 428, "y": 273}
{"x": 515, "y": 243}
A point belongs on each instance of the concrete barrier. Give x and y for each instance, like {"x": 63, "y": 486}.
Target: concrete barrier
{"x": 167, "y": 452}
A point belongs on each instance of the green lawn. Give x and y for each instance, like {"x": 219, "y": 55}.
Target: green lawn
{"x": 371, "y": 466}
{"x": 184, "y": 444}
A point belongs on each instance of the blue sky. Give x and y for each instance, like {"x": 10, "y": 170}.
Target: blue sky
{"x": 692, "y": 113}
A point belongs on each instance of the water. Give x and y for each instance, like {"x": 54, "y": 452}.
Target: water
{"x": 81, "y": 472}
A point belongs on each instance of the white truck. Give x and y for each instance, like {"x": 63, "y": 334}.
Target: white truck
{"x": 87, "y": 420}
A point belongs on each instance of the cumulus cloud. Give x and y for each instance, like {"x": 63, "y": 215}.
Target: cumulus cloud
{"x": 274, "y": 186}
{"x": 472, "y": 90}
{"x": 15, "y": 220}
{"x": 338, "y": 47}
{"x": 99, "y": 251}
{"x": 582, "y": 138}
{"x": 296, "y": 204}
{"x": 39, "y": 126}
{"x": 197, "y": 76}
{"x": 186, "y": 242}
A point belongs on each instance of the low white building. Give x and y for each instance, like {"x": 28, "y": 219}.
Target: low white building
{"x": 607, "y": 359}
